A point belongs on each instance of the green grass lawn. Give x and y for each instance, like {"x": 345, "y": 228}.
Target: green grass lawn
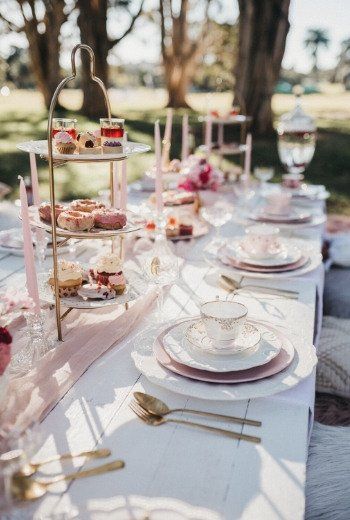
{"x": 23, "y": 117}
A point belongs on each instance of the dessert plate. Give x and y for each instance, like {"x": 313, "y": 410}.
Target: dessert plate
{"x": 182, "y": 351}
{"x": 277, "y": 364}
{"x": 198, "y": 337}
{"x": 199, "y": 229}
{"x": 11, "y": 242}
{"x": 301, "y": 367}
{"x": 294, "y": 217}
{"x": 289, "y": 254}
{"x": 236, "y": 264}
{"x": 135, "y": 287}
{"x": 133, "y": 224}
{"x": 40, "y": 148}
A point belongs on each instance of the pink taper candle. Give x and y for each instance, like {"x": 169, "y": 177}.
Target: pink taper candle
{"x": 248, "y": 158}
{"x": 159, "y": 181}
{"x": 208, "y": 131}
{"x": 28, "y": 250}
{"x": 34, "y": 179}
{"x": 115, "y": 186}
{"x": 184, "y": 151}
{"x": 123, "y": 187}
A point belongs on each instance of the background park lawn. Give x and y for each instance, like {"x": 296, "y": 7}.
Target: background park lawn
{"x": 23, "y": 117}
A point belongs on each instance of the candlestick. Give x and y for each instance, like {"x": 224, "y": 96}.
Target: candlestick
{"x": 159, "y": 183}
{"x": 123, "y": 187}
{"x": 208, "y": 132}
{"x": 116, "y": 186}
{"x": 247, "y": 158}
{"x": 34, "y": 179}
{"x": 167, "y": 137}
{"x": 184, "y": 151}
{"x": 32, "y": 284}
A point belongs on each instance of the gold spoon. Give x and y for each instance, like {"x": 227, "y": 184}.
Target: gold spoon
{"x": 31, "y": 467}
{"x": 157, "y": 407}
{"x": 23, "y": 488}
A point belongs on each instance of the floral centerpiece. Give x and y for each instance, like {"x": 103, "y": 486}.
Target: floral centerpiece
{"x": 199, "y": 174}
{"x": 12, "y": 304}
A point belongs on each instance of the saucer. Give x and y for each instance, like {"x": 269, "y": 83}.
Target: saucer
{"x": 182, "y": 351}
{"x": 197, "y": 335}
{"x": 289, "y": 254}
{"x": 293, "y": 217}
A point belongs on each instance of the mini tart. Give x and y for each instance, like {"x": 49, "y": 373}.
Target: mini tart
{"x": 75, "y": 220}
{"x": 45, "y": 211}
{"x": 95, "y": 291}
{"x": 112, "y": 147}
{"x": 109, "y": 218}
{"x": 86, "y": 205}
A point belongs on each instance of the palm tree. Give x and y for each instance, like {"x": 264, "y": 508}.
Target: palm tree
{"x": 315, "y": 39}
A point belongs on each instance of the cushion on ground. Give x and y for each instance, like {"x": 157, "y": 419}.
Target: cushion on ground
{"x": 327, "y": 474}
{"x": 333, "y": 368}
{"x": 336, "y": 299}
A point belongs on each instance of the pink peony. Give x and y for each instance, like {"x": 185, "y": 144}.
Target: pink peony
{"x": 5, "y": 349}
{"x": 5, "y": 336}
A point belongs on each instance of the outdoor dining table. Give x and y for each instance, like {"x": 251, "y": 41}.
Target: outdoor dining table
{"x": 174, "y": 471}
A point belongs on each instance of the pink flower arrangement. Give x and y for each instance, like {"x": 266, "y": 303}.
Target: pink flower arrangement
{"x": 12, "y": 303}
{"x": 200, "y": 175}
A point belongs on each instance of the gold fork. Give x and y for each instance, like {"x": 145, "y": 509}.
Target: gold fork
{"x": 157, "y": 420}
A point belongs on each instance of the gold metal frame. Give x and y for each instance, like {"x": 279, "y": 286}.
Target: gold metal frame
{"x": 52, "y": 164}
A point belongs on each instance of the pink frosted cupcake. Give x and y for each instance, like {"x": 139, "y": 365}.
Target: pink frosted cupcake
{"x": 64, "y": 143}
{"x": 108, "y": 271}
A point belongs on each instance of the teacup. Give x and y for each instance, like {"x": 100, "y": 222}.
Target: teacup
{"x": 261, "y": 241}
{"x": 292, "y": 180}
{"x": 279, "y": 203}
{"x": 223, "y": 320}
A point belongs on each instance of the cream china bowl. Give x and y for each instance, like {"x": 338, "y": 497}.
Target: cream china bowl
{"x": 223, "y": 320}
{"x": 261, "y": 241}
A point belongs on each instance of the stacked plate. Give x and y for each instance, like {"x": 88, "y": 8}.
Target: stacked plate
{"x": 288, "y": 258}
{"x": 182, "y": 358}
{"x": 294, "y": 216}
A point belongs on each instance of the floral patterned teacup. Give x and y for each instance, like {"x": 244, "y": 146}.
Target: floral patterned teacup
{"x": 223, "y": 320}
{"x": 279, "y": 203}
{"x": 261, "y": 241}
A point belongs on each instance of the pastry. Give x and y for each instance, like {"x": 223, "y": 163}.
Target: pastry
{"x": 45, "y": 211}
{"x": 109, "y": 218}
{"x": 112, "y": 147}
{"x": 185, "y": 227}
{"x": 87, "y": 143}
{"x": 97, "y": 135}
{"x": 86, "y": 205}
{"x": 172, "y": 227}
{"x": 96, "y": 291}
{"x": 64, "y": 143}
{"x": 75, "y": 220}
{"x": 108, "y": 271}
{"x": 69, "y": 278}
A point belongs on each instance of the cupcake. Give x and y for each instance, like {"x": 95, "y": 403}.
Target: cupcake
{"x": 64, "y": 143}
{"x": 112, "y": 147}
{"x": 87, "y": 143}
{"x": 108, "y": 271}
{"x": 69, "y": 278}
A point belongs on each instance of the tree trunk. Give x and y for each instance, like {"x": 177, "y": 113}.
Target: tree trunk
{"x": 92, "y": 22}
{"x": 177, "y": 80}
{"x": 263, "y": 29}
{"x": 44, "y": 49}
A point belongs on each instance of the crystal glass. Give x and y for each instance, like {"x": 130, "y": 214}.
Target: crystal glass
{"x": 41, "y": 241}
{"x": 160, "y": 266}
{"x": 16, "y": 449}
{"x": 217, "y": 215}
{"x": 264, "y": 175}
{"x": 37, "y": 346}
{"x": 60, "y": 124}
{"x": 296, "y": 138}
{"x": 112, "y": 129}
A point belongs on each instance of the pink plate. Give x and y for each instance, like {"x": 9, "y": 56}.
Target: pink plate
{"x": 279, "y": 363}
{"x": 278, "y": 219}
{"x": 263, "y": 269}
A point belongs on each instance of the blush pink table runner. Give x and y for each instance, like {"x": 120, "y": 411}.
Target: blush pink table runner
{"x": 87, "y": 335}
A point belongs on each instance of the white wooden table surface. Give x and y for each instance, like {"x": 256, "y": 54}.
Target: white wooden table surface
{"x": 174, "y": 472}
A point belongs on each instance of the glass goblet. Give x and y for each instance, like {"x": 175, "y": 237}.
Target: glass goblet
{"x": 263, "y": 174}
{"x": 217, "y": 215}
{"x": 41, "y": 241}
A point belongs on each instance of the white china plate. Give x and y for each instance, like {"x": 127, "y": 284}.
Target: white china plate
{"x": 136, "y": 286}
{"x": 197, "y": 336}
{"x": 40, "y": 148}
{"x": 182, "y": 351}
{"x": 292, "y": 216}
{"x": 301, "y": 367}
{"x": 134, "y": 223}
{"x": 315, "y": 259}
{"x": 289, "y": 254}
{"x": 316, "y": 220}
